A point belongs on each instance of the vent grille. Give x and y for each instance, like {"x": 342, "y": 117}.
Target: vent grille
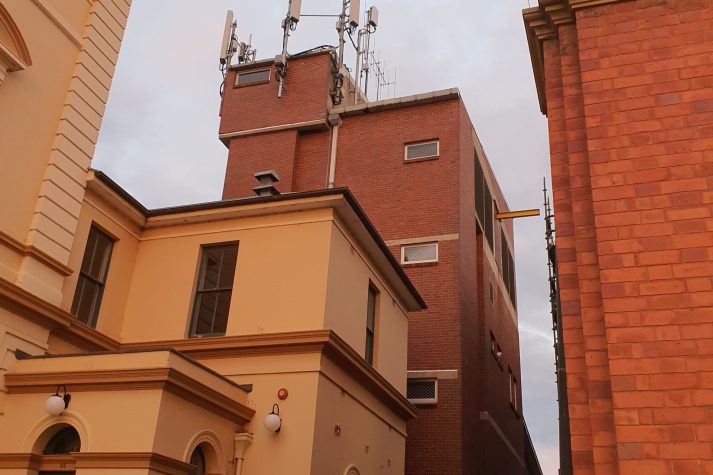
{"x": 419, "y": 253}
{"x": 252, "y": 77}
{"x": 421, "y": 390}
{"x": 417, "y": 151}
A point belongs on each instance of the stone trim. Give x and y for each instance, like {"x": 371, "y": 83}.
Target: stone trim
{"x": 542, "y": 23}
{"x": 168, "y": 379}
{"x": 32, "y": 251}
{"x": 97, "y": 460}
{"x": 313, "y": 341}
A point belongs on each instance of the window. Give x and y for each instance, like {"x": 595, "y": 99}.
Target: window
{"x": 508, "y": 268}
{"x": 513, "y": 390}
{"x": 422, "y": 391}
{"x": 491, "y": 292}
{"x": 92, "y": 277}
{"x": 495, "y": 350}
{"x": 63, "y": 442}
{"x": 370, "y": 324}
{"x": 421, "y": 150}
{"x": 483, "y": 201}
{"x": 419, "y": 253}
{"x": 198, "y": 460}
{"x": 214, "y": 289}
{"x": 247, "y": 78}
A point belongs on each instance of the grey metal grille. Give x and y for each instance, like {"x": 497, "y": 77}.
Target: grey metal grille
{"x": 422, "y": 390}
{"x": 420, "y": 253}
{"x": 422, "y": 150}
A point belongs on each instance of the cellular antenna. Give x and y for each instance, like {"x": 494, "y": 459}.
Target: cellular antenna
{"x": 289, "y": 23}
{"x": 229, "y": 45}
{"x": 363, "y": 45}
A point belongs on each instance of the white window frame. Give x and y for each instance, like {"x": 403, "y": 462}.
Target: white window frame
{"x": 426, "y": 261}
{"x": 259, "y": 70}
{"x": 433, "y": 400}
{"x": 438, "y": 150}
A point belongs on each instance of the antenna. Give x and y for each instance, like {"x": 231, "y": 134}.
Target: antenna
{"x": 228, "y": 45}
{"x": 363, "y": 47}
{"x": 289, "y": 23}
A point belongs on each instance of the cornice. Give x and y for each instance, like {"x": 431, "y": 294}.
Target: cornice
{"x": 325, "y": 342}
{"x": 61, "y": 323}
{"x": 28, "y": 250}
{"x": 542, "y": 23}
{"x": 97, "y": 460}
{"x": 168, "y": 379}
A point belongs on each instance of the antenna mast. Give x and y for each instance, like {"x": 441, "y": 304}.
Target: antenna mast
{"x": 363, "y": 50}
{"x": 289, "y": 23}
{"x": 560, "y": 370}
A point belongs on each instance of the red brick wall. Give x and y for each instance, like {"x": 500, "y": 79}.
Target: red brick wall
{"x": 411, "y": 200}
{"x": 306, "y": 97}
{"x": 256, "y": 153}
{"x": 630, "y": 109}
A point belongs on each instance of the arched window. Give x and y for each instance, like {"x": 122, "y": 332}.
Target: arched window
{"x": 63, "y": 442}
{"x": 198, "y": 460}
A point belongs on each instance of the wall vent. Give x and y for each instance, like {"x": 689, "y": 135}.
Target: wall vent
{"x": 419, "y": 253}
{"x": 422, "y": 391}
{"x": 421, "y": 150}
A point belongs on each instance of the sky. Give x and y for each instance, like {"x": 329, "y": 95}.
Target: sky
{"x": 159, "y": 138}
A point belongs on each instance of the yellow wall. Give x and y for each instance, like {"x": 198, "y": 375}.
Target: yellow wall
{"x": 280, "y": 276}
{"x": 50, "y": 115}
{"x": 347, "y": 291}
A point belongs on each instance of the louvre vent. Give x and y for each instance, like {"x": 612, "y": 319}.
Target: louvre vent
{"x": 252, "y": 77}
{"x": 416, "y": 151}
{"x": 421, "y": 391}
{"x": 419, "y": 253}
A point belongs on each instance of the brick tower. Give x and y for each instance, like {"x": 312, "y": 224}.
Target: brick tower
{"x": 627, "y": 87}
{"x": 416, "y": 166}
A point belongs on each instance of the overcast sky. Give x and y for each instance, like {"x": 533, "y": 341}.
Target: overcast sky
{"x": 160, "y": 142}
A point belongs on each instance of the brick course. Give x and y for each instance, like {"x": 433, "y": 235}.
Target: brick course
{"x": 406, "y": 200}
{"x": 628, "y": 92}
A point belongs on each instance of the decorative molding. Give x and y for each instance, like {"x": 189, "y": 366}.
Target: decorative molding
{"x": 14, "y": 56}
{"x": 423, "y": 239}
{"x": 433, "y": 373}
{"x": 55, "y": 17}
{"x": 315, "y": 341}
{"x": 168, "y": 379}
{"x": 61, "y": 323}
{"x": 94, "y": 460}
{"x": 29, "y": 250}
{"x": 319, "y": 124}
{"x": 133, "y": 460}
{"x": 542, "y": 23}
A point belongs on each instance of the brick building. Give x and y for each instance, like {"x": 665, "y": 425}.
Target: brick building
{"x": 418, "y": 169}
{"x": 627, "y": 87}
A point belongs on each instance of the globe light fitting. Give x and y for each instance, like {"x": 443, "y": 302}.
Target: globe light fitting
{"x": 56, "y": 404}
{"x": 273, "y": 422}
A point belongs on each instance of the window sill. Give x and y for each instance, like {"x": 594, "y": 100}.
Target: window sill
{"x": 419, "y": 264}
{"x": 423, "y": 159}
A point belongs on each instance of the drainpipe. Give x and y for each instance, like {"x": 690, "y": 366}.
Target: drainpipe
{"x": 334, "y": 121}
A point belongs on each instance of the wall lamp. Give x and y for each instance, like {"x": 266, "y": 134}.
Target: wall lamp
{"x": 56, "y": 404}
{"x": 273, "y": 423}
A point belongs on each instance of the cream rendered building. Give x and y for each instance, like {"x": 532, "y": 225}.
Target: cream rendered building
{"x": 179, "y": 332}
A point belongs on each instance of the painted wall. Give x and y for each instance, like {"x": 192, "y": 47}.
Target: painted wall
{"x": 46, "y": 150}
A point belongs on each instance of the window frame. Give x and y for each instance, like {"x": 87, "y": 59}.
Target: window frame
{"x": 433, "y": 400}
{"x": 513, "y": 391}
{"x": 419, "y": 244}
{"x": 372, "y": 313}
{"x": 199, "y": 292}
{"x": 249, "y": 71}
{"x": 421, "y": 159}
{"x": 99, "y": 282}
